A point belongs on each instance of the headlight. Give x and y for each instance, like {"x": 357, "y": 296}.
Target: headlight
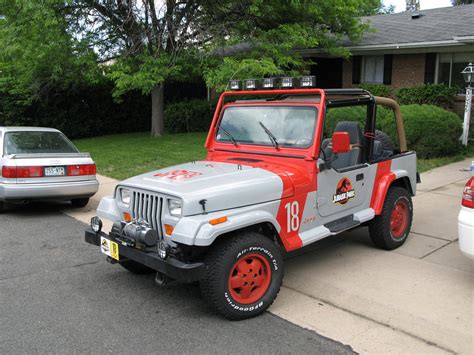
{"x": 174, "y": 207}
{"x": 125, "y": 196}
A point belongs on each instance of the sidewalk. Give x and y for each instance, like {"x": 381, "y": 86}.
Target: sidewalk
{"x": 416, "y": 299}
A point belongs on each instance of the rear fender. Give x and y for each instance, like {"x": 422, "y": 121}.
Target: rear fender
{"x": 394, "y": 178}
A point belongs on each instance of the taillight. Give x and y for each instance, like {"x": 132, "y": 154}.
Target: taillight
{"x": 84, "y": 169}
{"x": 13, "y": 172}
{"x": 468, "y": 194}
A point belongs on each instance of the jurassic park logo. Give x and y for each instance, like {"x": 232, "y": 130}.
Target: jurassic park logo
{"x": 344, "y": 191}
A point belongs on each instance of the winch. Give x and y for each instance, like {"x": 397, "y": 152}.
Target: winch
{"x": 139, "y": 231}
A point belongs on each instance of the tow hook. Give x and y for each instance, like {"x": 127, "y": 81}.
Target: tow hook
{"x": 161, "y": 279}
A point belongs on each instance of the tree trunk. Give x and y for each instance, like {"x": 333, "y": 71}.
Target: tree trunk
{"x": 157, "y": 111}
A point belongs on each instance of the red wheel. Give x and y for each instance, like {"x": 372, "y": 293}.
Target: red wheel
{"x": 249, "y": 278}
{"x": 399, "y": 219}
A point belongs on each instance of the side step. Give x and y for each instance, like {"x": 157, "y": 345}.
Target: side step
{"x": 342, "y": 224}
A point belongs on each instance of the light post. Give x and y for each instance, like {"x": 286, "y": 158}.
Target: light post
{"x": 468, "y": 74}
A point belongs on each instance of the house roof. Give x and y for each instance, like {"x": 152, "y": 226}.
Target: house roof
{"x": 435, "y": 27}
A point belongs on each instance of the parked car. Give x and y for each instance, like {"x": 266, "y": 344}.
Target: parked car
{"x": 43, "y": 164}
{"x": 272, "y": 183}
{"x": 466, "y": 218}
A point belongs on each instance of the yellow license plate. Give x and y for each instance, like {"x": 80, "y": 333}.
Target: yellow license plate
{"x": 109, "y": 248}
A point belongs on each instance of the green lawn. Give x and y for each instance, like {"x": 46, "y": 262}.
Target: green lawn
{"x": 124, "y": 155}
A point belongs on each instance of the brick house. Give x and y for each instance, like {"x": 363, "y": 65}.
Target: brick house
{"x": 406, "y": 49}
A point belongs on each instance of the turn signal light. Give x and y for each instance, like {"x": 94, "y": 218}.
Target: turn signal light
{"x": 127, "y": 217}
{"x": 13, "y": 172}
{"x": 83, "y": 169}
{"x": 218, "y": 220}
{"x": 468, "y": 194}
{"x": 168, "y": 229}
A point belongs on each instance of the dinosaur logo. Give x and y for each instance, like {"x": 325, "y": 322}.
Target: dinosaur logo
{"x": 344, "y": 192}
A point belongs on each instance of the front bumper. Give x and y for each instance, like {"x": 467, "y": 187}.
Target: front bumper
{"x": 175, "y": 269}
{"x": 466, "y": 231}
{"x": 62, "y": 190}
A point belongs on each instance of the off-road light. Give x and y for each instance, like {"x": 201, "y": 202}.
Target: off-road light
{"x": 96, "y": 224}
{"x": 250, "y": 84}
{"x": 269, "y": 83}
{"x": 175, "y": 207}
{"x": 308, "y": 81}
{"x": 234, "y": 84}
{"x": 163, "y": 249}
{"x": 288, "y": 82}
{"x": 125, "y": 196}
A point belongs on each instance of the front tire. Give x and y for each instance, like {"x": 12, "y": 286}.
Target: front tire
{"x": 243, "y": 275}
{"x": 390, "y": 229}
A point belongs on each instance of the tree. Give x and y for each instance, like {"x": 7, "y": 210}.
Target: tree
{"x": 150, "y": 41}
{"x": 37, "y": 52}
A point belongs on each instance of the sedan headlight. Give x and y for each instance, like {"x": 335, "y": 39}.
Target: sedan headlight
{"x": 175, "y": 208}
{"x": 125, "y": 196}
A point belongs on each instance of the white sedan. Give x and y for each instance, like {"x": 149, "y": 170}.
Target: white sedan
{"x": 466, "y": 219}
{"x": 42, "y": 164}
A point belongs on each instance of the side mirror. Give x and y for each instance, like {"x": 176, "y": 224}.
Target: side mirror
{"x": 341, "y": 142}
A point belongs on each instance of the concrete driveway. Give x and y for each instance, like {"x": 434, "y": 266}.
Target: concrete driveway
{"x": 416, "y": 299}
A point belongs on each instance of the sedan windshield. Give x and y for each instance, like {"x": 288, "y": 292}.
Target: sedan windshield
{"x": 28, "y": 142}
{"x": 264, "y": 125}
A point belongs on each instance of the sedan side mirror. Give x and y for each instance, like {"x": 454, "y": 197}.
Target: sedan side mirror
{"x": 341, "y": 142}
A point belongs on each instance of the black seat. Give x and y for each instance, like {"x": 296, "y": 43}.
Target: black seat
{"x": 353, "y": 157}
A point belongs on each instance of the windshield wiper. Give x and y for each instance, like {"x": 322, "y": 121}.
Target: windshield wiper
{"x": 270, "y": 135}
{"x": 231, "y": 137}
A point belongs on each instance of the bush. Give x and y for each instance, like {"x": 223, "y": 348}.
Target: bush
{"x": 430, "y": 94}
{"x": 354, "y": 113}
{"x": 430, "y": 130}
{"x": 377, "y": 89}
{"x": 188, "y": 116}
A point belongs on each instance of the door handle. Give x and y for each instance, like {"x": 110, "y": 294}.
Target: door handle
{"x": 359, "y": 177}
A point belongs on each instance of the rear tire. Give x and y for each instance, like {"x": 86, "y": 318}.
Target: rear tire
{"x": 79, "y": 202}
{"x": 136, "y": 268}
{"x": 3, "y": 206}
{"x": 390, "y": 229}
{"x": 243, "y": 275}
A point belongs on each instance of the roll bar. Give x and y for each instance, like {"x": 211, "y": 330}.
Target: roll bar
{"x": 391, "y": 103}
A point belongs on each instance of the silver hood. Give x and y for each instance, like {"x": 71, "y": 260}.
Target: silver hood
{"x": 222, "y": 185}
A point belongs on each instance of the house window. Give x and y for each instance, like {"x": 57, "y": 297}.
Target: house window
{"x": 450, "y": 67}
{"x": 372, "y": 69}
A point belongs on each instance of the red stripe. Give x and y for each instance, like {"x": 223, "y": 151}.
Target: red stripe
{"x": 383, "y": 179}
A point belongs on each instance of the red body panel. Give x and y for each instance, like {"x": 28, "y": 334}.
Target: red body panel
{"x": 383, "y": 178}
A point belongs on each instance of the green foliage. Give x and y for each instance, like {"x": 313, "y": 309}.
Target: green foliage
{"x": 188, "y": 116}
{"x": 430, "y": 130}
{"x": 377, "y": 89}
{"x": 354, "y": 113}
{"x": 431, "y": 94}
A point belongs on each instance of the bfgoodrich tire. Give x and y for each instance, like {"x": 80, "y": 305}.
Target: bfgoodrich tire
{"x": 390, "y": 229}
{"x": 243, "y": 275}
{"x": 79, "y": 202}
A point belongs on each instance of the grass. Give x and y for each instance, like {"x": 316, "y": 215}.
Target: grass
{"x": 124, "y": 155}
{"x": 428, "y": 164}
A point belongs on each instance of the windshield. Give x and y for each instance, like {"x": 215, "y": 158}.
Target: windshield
{"x": 263, "y": 125}
{"x": 26, "y": 142}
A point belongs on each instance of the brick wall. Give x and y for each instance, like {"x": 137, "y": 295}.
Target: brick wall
{"x": 407, "y": 70}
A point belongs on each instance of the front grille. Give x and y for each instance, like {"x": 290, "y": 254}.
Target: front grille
{"x": 147, "y": 206}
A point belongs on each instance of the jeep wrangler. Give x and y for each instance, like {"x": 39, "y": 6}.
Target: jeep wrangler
{"x": 272, "y": 183}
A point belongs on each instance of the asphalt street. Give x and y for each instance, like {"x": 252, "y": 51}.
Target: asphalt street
{"x": 58, "y": 294}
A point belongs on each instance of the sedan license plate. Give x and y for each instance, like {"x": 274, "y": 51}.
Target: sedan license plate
{"x": 109, "y": 248}
{"x": 54, "y": 171}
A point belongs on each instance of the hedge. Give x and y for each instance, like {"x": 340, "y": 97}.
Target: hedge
{"x": 355, "y": 113}
{"x": 377, "y": 89}
{"x": 431, "y": 94}
{"x": 430, "y": 130}
{"x": 188, "y": 116}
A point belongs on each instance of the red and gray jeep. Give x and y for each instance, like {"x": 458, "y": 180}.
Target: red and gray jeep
{"x": 272, "y": 183}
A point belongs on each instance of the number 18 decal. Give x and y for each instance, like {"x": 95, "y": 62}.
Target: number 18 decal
{"x": 293, "y": 221}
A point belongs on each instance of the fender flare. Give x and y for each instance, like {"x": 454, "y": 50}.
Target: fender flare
{"x": 383, "y": 184}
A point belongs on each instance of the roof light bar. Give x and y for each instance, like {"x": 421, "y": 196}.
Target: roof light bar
{"x": 288, "y": 82}
{"x": 250, "y": 84}
{"x": 235, "y": 84}
{"x": 269, "y": 83}
{"x": 308, "y": 81}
